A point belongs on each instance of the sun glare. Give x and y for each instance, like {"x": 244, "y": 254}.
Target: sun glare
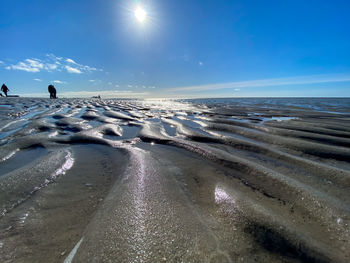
{"x": 140, "y": 14}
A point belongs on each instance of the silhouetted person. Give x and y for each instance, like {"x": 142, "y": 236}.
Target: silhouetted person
{"x": 52, "y": 91}
{"x": 4, "y": 89}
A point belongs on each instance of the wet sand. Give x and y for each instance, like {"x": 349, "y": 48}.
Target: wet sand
{"x": 170, "y": 181}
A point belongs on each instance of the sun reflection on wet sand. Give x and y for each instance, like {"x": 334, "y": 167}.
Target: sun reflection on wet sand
{"x": 140, "y": 206}
{"x": 221, "y": 196}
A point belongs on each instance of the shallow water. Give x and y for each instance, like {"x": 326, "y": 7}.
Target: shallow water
{"x": 22, "y": 158}
{"x": 210, "y": 180}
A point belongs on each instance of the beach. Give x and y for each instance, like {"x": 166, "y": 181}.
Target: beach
{"x": 206, "y": 180}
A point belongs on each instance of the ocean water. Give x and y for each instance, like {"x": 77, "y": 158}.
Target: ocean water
{"x": 336, "y": 105}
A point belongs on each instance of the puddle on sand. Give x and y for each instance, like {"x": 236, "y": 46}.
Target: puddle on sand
{"x": 21, "y": 159}
{"x": 239, "y": 119}
{"x": 94, "y": 123}
{"x": 279, "y": 119}
{"x": 170, "y": 129}
{"x": 129, "y": 132}
{"x": 6, "y": 106}
{"x": 32, "y": 114}
{"x": 5, "y": 134}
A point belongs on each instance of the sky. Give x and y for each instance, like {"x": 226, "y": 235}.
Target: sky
{"x": 176, "y": 49}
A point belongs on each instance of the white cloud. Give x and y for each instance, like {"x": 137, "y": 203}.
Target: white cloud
{"x": 1, "y": 62}
{"x": 313, "y": 79}
{"x": 53, "y": 57}
{"x": 50, "y": 67}
{"x": 109, "y": 83}
{"x": 89, "y": 69}
{"x": 92, "y": 80}
{"x": 24, "y": 67}
{"x": 117, "y": 86}
{"x": 69, "y": 60}
{"x": 59, "y": 82}
{"x": 34, "y": 63}
{"x": 39, "y": 80}
{"x": 28, "y": 65}
{"x": 237, "y": 89}
{"x": 51, "y": 63}
{"x": 129, "y": 86}
{"x": 72, "y": 70}
{"x": 200, "y": 63}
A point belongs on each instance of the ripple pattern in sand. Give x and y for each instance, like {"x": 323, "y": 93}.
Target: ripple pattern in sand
{"x": 277, "y": 176}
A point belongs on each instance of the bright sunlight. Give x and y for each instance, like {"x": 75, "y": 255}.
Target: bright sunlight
{"x": 140, "y": 14}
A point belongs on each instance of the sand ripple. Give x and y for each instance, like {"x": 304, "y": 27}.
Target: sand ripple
{"x": 277, "y": 176}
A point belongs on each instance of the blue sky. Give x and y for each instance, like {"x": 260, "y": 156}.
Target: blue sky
{"x": 182, "y": 49}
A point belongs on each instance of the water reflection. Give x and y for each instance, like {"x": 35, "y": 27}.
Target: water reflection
{"x": 221, "y": 196}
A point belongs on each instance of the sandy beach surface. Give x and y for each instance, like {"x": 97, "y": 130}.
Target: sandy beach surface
{"x": 240, "y": 180}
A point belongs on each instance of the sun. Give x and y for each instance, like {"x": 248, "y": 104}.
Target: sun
{"x": 140, "y": 14}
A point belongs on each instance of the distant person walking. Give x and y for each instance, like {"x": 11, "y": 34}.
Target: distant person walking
{"x": 52, "y": 91}
{"x": 4, "y": 89}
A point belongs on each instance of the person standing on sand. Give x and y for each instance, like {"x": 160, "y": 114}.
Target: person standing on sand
{"x": 52, "y": 91}
{"x": 4, "y": 89}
